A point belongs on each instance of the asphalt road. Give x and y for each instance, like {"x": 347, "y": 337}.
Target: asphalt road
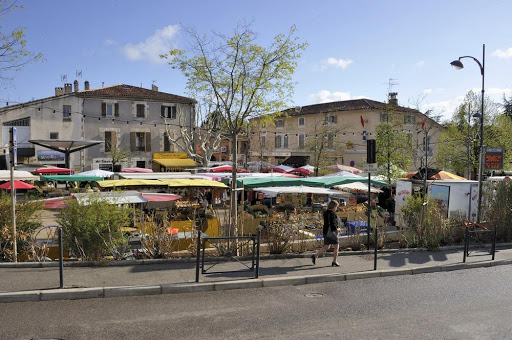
{"x": 464, "y": 304}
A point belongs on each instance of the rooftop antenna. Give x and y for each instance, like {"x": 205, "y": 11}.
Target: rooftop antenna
{"x": 79, "y": 73}
{"x": 63, "y": 78}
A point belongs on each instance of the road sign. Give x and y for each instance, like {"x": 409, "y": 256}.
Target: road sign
{"x": 14, "y": 147}
{"x": 371, "y": 167}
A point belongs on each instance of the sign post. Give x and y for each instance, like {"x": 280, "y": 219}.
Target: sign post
{"x": 13, "y": 155}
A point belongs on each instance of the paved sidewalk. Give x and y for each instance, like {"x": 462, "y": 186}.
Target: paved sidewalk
{"x": 23, "y": 283}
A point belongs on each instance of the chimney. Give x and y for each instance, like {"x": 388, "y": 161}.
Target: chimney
{"x": 67, "y": 88}
{"x": 154, "y": 87}
{"x": 86, "y": 85}
{"x": 75, "y": 86}
{"x": 392, "y": 98}
{"x": 59, "y": 91}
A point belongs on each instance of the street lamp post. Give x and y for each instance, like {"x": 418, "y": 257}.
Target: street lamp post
{"x": 457, "y": 64}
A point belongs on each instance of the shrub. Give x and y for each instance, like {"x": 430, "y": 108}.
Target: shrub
{"x": 497, "y": 209}
{"x": 26, "y": 224}
{"x": 94, "y": 230}
{"x": 281, "y": 232}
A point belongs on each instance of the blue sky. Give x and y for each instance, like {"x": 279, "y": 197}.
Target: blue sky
{"x": 355, "y": 47}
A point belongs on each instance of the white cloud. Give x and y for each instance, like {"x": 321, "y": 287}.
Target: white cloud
{"x": 445, "y": 108}
{"x": 110, "y": 42}
{"x": 420, "y": 63}
{"x": 151, "y": 48}
{"x": 326, "y": 96}
{"x": 496, "y": 91}
{"x": 334, "y": 62}
{"x": 503, "y": 54}
{"x": 427, "y": 91}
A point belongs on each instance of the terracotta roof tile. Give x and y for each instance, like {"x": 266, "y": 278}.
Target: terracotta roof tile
{"x": 133, "y": 92}
{"x": 345, "y": 105}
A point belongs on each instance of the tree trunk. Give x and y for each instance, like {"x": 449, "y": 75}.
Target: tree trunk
{"x": 234, "y": 193}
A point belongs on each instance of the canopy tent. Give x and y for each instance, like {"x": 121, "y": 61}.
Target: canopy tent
{"x": 162, "y": 175}
{"x": 296, "y": 160}
{"x": 301, "y": 171}
{"x": 342, "y": 173}
{"x": 96, "y": 172}
{"x": 17, "y": 185}
{"x": 258, "y": 165}
{"x": 67, "y": 146}
{"x": 54, "y": 171}
{"x": 351, "y": 169}
{"x": 124, "y": 197}
{"x": 70, "y": 178}
{"x": 274, "y": 191}
{"x": 176, "y": 162}
{"x": 136, "y": 170}
{"x": 5, "y": 175}
{"x": 116, "y": 183}
{"x": 357, "y": 186}
{"x": 433, "y": 173}
{"x": 226, "y": 168}
{"x": 258, "y": 182}
{"x": 195, "y": 183}
{"x": 176, "y": 183}
{"x": 331, "y": 181}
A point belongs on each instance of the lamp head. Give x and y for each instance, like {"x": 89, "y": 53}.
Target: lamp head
{"x": 457, "y": 64}
{"x": 477, "y": 115}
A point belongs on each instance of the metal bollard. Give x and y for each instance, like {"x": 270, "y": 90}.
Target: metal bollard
{"x": 61, "y": 259}
{"x": 257, "y": 272}
{"x": 375, "y": 250}
{"x": 198, "y": 252}
{"x": 466, "y": 243}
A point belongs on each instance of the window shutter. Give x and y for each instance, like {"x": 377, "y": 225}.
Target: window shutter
{"x": 117, "y": 109}
{"x": 108, "y": 141}
{"x": 114, "y": 141}
{"x": 103, "y": 109}
{"x": 148, "y": 141}
{"x": 132, "y": 141}
{"x": 162, "y": 111}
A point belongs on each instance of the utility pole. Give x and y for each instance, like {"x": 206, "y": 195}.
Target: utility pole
{"x": 13, "y": 156}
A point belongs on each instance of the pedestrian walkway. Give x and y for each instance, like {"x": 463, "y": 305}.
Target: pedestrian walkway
{"x": 27, "y": 282}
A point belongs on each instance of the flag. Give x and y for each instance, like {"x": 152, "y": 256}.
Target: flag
{"x": 423, "y": 124}
{"x": 362, "y": 121}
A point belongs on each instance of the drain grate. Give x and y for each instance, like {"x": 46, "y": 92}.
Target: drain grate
{"x": 314, "y": 295}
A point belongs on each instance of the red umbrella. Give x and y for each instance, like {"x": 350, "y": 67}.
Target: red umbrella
{"x": 301, "y": 171}
{"x": 17, "y": 185}
{"x": 227, "y": 168}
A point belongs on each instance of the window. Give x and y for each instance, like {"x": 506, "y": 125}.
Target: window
{"x": 223, "y": 149}
{"x": 140, "y": 141}
{"x": 110, "y": 141}
{"x": 141, "y": 110}
{"x": 302, "y": 139}
{"x": 54, "y": 135}
{"x": 428, "y": 144}
{"x": 302, "y": 121}
{"x": 140, "y": 164}
{"x": 110, "y": 109}
{"x": 384, "y": 117}
{"x": 278, "y": 141}
{"x": 364, "y": 136}
{"x": 280, "y": 123}
{"x": 333, "y": 119}
{"x": 168, "y": 112}
{"x": 18, "y": 122}
{"x": 409, "y": 119}
{"x": 66, "y": 112}
{"x": 285, "y": 141}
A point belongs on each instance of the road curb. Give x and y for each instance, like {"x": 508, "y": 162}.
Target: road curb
{"x": 193, "y": 287}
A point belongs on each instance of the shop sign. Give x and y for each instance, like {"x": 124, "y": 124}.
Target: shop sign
{"x": 50, "y": 156}
{"x": 170, "y": 155}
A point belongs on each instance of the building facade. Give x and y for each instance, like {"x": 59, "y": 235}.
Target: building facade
{"x": 345, "y": 126}
{"x": 130, "y": 119}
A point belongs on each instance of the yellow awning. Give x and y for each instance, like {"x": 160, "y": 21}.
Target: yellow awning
{"x": 176, "y": 162}
{"x": 202, "y": 183}
{"x": 129, "y": 182}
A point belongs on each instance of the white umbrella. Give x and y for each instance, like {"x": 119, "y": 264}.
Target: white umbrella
{"x": 308, "y": 167}
{"x": 97, "y": 172}
{"x": 342, "y": 173}
{"x": 301, "y": 189}
{"x": 284, "y": 167}
{"x": 358, "y": 186}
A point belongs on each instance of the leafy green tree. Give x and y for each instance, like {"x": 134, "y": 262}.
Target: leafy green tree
{"x": 94, "y": 230}
{"x": 13, "y": 45}
{"x": 243, "y": 78}
{"x": 322, "y": 144}
{"x": 460, "y": 142}
{"x": 394, "y": 147}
